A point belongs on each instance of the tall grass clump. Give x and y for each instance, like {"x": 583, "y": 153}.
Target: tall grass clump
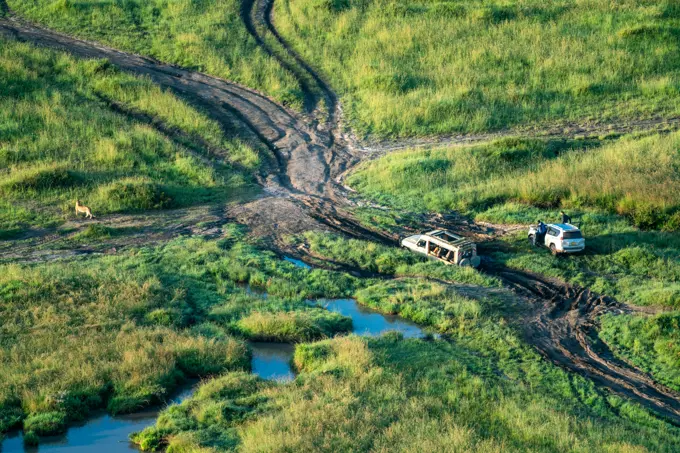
{"x": 205, "y": 36}
{"x": 632, "y": 177}
{"x": 407, "y": 67}
{"x": 62, "y": 140}
{"x": 293, "y": 326}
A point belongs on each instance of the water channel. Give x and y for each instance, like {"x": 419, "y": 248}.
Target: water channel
{"x": 109, "y": 434}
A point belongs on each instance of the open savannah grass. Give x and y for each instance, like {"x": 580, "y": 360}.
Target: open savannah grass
{"x": 205, "y": 36}
{"x": 420, "y": 67}
{"x": 61, "y": 141}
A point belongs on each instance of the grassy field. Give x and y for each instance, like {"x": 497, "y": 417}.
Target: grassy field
{"x": 202, "y": 35}
{"x": 420, "y": 67}
{"x": 390, "y": 261}
{"x": 60, "y": 140}
{"x": 415, "y": 395}
{"x": 624, "y": 194}
{"x": 651, "y": 343}
{"x": 122, "y": 331}
{"x": 513, "y": 180}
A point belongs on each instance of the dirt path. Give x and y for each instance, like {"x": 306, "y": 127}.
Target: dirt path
{"x": 304, "y": 190}
{"x": 561, "y": 326}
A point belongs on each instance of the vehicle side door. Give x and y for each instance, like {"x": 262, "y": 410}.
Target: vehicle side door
{"x": 551, "y": 237}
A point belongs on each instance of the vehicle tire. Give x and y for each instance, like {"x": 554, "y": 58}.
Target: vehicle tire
{"x": 553, "y": 249}
{"x": 465, "y": 263}
{"x": 531, "y": 239}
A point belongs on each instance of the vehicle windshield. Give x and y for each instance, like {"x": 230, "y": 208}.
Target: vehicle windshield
{"x": 572, "y": 235}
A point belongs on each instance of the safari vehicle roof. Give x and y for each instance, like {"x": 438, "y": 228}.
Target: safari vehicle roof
{"x": 564, "y": 226}
{"x": 437, "y": 237}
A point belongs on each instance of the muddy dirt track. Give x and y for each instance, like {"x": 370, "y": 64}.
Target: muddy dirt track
{"x": 303, "y": 190}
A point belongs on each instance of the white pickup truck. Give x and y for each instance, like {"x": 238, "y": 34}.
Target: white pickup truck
{"x": 444, "y": 246}
{"x": 561, "y": 238}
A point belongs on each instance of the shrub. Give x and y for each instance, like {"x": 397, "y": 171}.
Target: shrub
{"x": 130, "y": 195}
{"x": 45, "y": 424}
{"x": 293, "y": 326}
{"x": 40, "y": 179}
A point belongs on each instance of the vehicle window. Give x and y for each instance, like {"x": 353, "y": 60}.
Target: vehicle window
{"x": 421, "y": 244}
{"x": 552, "y": 232}
{"x": 572, "y": 235}
{"x": 447, "y": 254}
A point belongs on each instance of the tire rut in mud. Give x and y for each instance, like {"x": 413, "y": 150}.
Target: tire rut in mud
{"x": 561, "y": 328}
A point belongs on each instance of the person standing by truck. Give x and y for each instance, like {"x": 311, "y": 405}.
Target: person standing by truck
{"x": 539, "y": 237}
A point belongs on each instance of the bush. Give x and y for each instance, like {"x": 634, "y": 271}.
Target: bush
{"x": 294, "y": 326}
{"x": 40, "y": 179}
{"x": 46, "y": 424}
{"x": 130, "y": 195}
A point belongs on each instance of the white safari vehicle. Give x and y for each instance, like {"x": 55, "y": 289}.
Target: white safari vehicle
{"x": 444, "y": 246}
{"x": 561, "y": 238}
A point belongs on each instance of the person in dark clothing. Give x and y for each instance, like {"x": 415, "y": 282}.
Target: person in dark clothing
{"x": 539, "y": 237}
{"x": 565, "y": 217}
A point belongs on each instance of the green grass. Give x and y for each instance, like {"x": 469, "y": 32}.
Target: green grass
{"x": 611, "y": 188}
{"x": 205, "y": 36}
{"x": 650, "y": 343}
{"x": 641, "y": 268}
{"x": 414, "y": 395}
{"x": 415, "y": 67}
{"x": 633, "y": 177}
{"x": 294, "y": 326}
{"x": 61, "y": 141}
{"x": 122, "y": 331}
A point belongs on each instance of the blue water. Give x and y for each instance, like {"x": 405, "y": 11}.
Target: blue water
{"x": 272, "y": 360}
{"x": 103, "y": 433}
{"x": 298, "y": 263}
{"x": 370, "y": 322}
{"x": 107, "y": 434}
